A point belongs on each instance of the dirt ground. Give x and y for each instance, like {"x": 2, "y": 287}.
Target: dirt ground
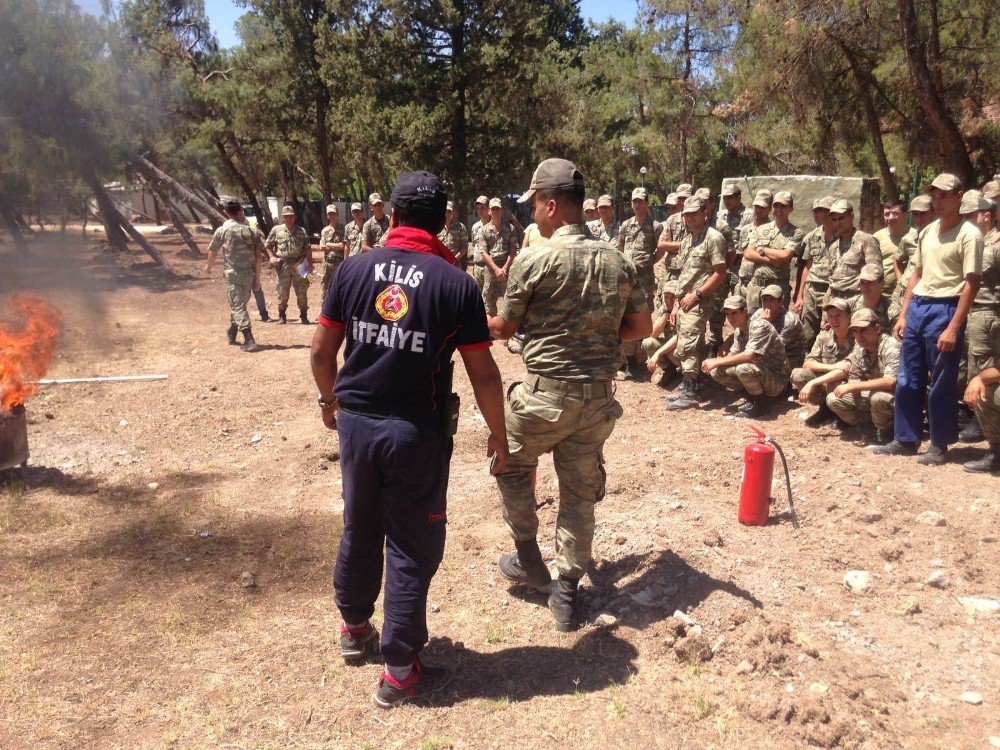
{"x": 123, "y": 623}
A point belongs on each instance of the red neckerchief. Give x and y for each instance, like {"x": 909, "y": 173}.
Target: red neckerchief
{"x": 411, "y": 238}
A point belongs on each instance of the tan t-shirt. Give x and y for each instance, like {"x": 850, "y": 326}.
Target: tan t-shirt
{"x": 946, "y": 258}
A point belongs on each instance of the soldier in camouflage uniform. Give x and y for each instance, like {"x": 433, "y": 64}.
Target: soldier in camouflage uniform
{"x": 717, "y": 318}
{"x": 982, "y": 395}
{"x": 831, "y": 347}
{"x": 376, "y": 229}
{"x": 982, "y": 330}
{"x": 606, "y": 227}
{"x": 577, "y": 299}
{"x": 761, "y": 208}
{"x": 288, "y": 243}
{"x": 772, "y": 249}
{"x": 817, "y": 258}
{"x": 922, "y": 213}
{"x": 736, "y": 216}
{"x": 871, "y": 297}
{"x": 870, "y": 370}
{"x": 674, "y": 232}
{"x": 242, "y": 251}
{"x": 353, "y": 230}
{"x": 590, "y": 212}
{"x": 755, "y": 363}
{"x": 703, "y": 277}
{"x": 494, "y": 252}
{"x": 658, "y": 350}
{"x": 785, "y": 322}
{"x": 455, "y": 237}
{"x": 638, "y": 238}
{"x": 332, "y": 245}
{"x": 854, "y": 250}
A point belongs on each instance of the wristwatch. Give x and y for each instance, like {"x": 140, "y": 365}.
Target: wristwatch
{"x": 326, "y": 405}
{"x": 698, "y": 294}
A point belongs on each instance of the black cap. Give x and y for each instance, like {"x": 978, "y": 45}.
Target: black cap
{"x": 420, "y": 192}
{"x": 233, "y": 207}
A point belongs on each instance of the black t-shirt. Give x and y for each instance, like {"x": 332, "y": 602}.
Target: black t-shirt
{"x": 404, "y": 313}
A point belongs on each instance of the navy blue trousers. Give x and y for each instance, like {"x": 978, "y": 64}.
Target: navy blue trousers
{"x": 919, "y": 363}
{"x": 395, "y": 486}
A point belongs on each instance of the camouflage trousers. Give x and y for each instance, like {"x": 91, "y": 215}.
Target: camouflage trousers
{"x": 651, "y": 345}
{"x": 691, "y": 337}
{"x": 288, "y": 277}
{"x": 573, "y": 420}
{"x": 491, "y": 287}
{"x": 812, "y": 311}
{"x": 982, "y": 337}
{"x": 857, "y": 408}
{"x": 751, "y": 378}
{"x": 988, "y": 412}
{"x": 328, "y": 271}
{"x": 716, "y": 320}
{"x": 239, "y": 287}
{"x": 801, "y": 376}
{"x": 756, "y": 285}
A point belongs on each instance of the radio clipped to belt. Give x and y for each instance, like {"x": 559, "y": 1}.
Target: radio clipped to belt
{"x": 452, "y": 403}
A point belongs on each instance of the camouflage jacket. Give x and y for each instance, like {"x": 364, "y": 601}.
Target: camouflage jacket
{"x": 605, "y": 233}
{"x": 884, "y": 363}
{"x": 853, "y": 255}
{"x": 676, "y": 232}
{"x": 787, "y": 237}
{"x": 746, "y": 267}
{"x": 697, "y": 257}
{"x": 881, "y": 309}
{"x": 455, "y": 238}
{"x": 570, "y": 293}
{"x": 821, "y": 254}
{"x": 239, "y": 243}
{"x": 826, "y": 350}
{"x": 989, "y": 289}
{"x": 373, "y": 233}
{"x": 638, "y": 243}
{"x": 288, "y": 246}
{"x": 791, "y": 333}
{"x": 497, "y": 243}
{"x": 332, "y": 236}
{"x": 353, "y": 235}
{"x": 763, "y": 340}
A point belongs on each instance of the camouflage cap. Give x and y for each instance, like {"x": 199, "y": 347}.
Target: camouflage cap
{"x": 991, "y": 190}
{"x": 684, "y": 192}
{"x": 496, "y": 203}
{"x": 921, "y": 203}
{"x": 288, "y": 211}
{"x": 945, "y": 181}
{"x": 672, "y": 199}
{"x": 356, "y": 207}
{"x": 840, "y": 206}
{"x": 482, "y": 199}
{"x": 735, "y": 303}
{"x": 552, "y": 174}
{"x": 838, "y": 303}
{"x": 863, "y": 318}
{"x": 605, "y": 200}
{"x": 872, "y": 272}
{"x": 974, "y": 201}
{"x": 693, "y": 205}
{"x": 640, "y": 193}
{"x": 374, "y": 199}
{"x": 332, "y": 209}
{"x": 449, "y": 206}
{"x": 590, "y": 205}
{"x": 685, "y": 187}
{"x": 763, "y": 198}
{"x": 773, "y": 291}
{"x": 671, "y": 287}
{"x": 730, "y": 190}
{"x": 704, "y": 193}
{"x": 824, "y": 203}
{"x": 783, "y": 197}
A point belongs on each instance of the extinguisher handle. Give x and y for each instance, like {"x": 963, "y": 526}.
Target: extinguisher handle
{"x": 760, "y": 433}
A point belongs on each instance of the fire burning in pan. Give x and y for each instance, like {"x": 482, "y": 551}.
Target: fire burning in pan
{"x": 29, "y": 332}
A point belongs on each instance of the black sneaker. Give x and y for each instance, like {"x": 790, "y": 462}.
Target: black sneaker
{"x": 935, "y": 456}
{"x": 282, "y": 320}
{"x": 971, "y": 433}
{"x": 356, "y": 646}
{"x": 988, "y": 464}
{"x": 823, "y": 415}
{"x": 896, "y": 448}
{"x": 422, "y": 682}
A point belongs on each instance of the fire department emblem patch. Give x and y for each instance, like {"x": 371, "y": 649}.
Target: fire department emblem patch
{"x": 392, "y": 304}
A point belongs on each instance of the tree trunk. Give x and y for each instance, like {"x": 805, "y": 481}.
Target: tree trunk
{"x": 263, "y": 220}
{"x": 323, "y": 144}
{"x": 9, "y": 218}
{"x": 253, "y": 182}
{"x": 160, "y": 179}
{"x": 147, "y": 248}
{"x": 954, "y": 152}
{"x": 863, "y": 78}
{"x": 108, "y": 212}
{"x": 176, "y": 219}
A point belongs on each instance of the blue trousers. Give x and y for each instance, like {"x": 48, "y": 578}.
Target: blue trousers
{"x": 395, "y": 486}
{"x": 919, "y": 363}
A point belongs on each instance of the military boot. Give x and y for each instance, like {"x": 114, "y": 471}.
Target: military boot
{"x": 754, "y": 408}
{"x": 525, "y": 566}
{"x": 972, "y": 432}
{"x": 689, "y": 399}
{"x": 282, "y": 320}
{"x": 823, "y": 415}
{"x": 562, "y": 604}
{"x": 988, "y": 464}
{"x": 303, "y": 318}
{"x": 249, "y": 345}
{"x": 231, "y": 334}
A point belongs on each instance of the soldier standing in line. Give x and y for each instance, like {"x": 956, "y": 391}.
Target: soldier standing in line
{"x": 607, "y": 226}
{"x": 854, "y": 250}
{"x": 578, "y": 299}
{"x": 890, "y": 239}
{"x": 772, "y": 248}
{"x": 922, "y": 213}
{"x": 703, "y": 275}
{"x": 242, "y": 252}
{"x": 353, "y": 230}
{"x": 455, "y": 237}
{"x": 288, "y": 244}
{"x": 761, "y": 208}
{"x": 638, "y": 238}
{"x": 332, "y": 245}
{"x": 674, "y": 232}
{"x": 479, "y": 269}
{"x": 817, "y": 259}
{"x": 377, "y": 227}
{"x": 717, "y": 318}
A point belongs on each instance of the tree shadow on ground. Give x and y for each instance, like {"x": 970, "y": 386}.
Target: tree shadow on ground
{"x": 133, "y": 494}
{"x": 597, "y": 660}
{"x": 281, "y": 347}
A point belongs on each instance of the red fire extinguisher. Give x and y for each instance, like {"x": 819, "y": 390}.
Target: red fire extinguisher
{"x": 758, "y": 471}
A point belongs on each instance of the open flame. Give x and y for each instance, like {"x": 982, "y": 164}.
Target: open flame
{"x": 29, "y": 331}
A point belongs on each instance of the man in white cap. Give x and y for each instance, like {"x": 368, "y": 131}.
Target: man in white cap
{"x": 948, "y": 267}
{"x": 455, "y": 237}
{"x": 638, "y": 238}
{"x": 772, "y": 248}
{"x": 288, "y": 244}
{"x": 377, "y": 227}
{"x": 332, "y": 245}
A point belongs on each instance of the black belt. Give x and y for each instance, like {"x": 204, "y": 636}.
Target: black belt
{"x": 590, "y": 389}
{"x": 382, "y": 411}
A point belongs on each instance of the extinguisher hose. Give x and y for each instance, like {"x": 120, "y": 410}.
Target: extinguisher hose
{"x": 788, "y": 482}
